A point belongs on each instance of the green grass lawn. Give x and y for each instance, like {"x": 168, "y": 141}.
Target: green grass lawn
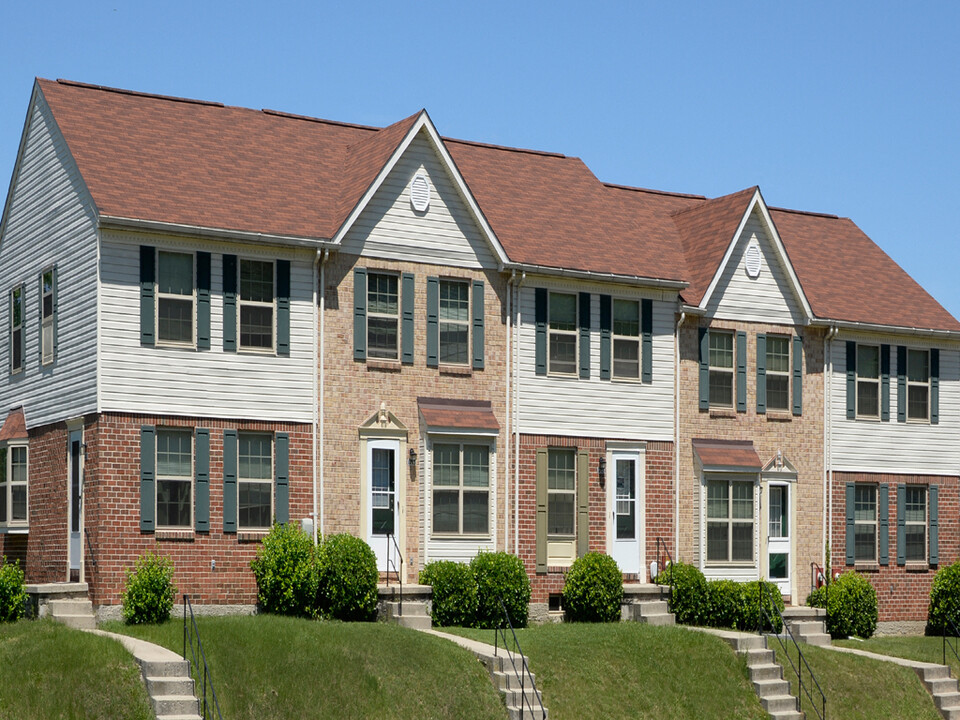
{"x": 631, "y": 670}
{"x": 51, "y": 672}
{"x": 913, "y": 647}
{"x": 271, "y": 668}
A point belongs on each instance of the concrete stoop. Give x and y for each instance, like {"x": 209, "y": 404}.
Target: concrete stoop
{"x": 74, "y": 612}
{"x": 943, "y": 688}
{"x": 417, "y": 605}
{"x": 415, "y": 615}
{"x": 646, "y": 603}
{"x": 808, "y": 624}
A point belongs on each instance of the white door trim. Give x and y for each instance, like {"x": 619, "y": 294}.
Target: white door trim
{"x": 636, "y": 557}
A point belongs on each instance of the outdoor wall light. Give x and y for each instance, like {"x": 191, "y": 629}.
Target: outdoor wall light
{"x": 413, "y": 460}
{"x": 602, "y": 470}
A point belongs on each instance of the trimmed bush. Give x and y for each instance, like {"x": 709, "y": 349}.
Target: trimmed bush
{"x": 13, "y": 595}
{"x": 499, "y": 576}
{"x": 944, "y": 600}
{"x": 286, "y": 572}
{"x": 594, "y": 589}
{"x": 853, "y": 605}
{"x": 149, "y": 590}
{"x": 454, "y": 593}
{"x": 726, "y": 604}
{"x": 347, "y": 579}
{"x": 753, "y": 595}
{"x": 689, "y": 600}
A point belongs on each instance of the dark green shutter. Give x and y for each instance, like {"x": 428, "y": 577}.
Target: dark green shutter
{"x": 797, "y": 375}
{"x": 934, "y": 526}
{"x": 229, "y": 481}
{"x": 540, "y": 313}
{"x": 433, "y": 322}
{"x": 541, "y": 519}
{"x": 283, "y": 307}
{"x": 283, "y": 478}
{"x": 478, "y": 341}
{"x": 606, "y": 327}
{"x": 229, "y": 303}
{"x": 884, "y": 382}
{"x": 407, "y": 299}
{"x": 583, "y": 503}
{"x": 850, "y": 528}
{"x": 704, "y": 368}
{"x": 934, "y": 386}
{"x": 203, "y": 301}
{"x": 360, "y": 314}
{"x": 646, "y": 328}
{"x": 901, "y": 524}
{"x": 148, "y": 276}
{"x": 56, "y": 315}
{"x": 851, "y": 380}
{"x": 883, "y": 524}
{"x": 761, "y": 373}
{"x": 583, "y": 318}
{"x": 741, "y": 371}
{"x": 148, "y": 478}
{"x": 901, "y": 384}
{"x": 201, "y": 511}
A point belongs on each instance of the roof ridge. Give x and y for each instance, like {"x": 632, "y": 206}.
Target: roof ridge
{"x": 668, "y": 193}
{"x": 805, "y": 212}
{"x": 136, "y": 93}
{"x": 323, "y": 121}
{"x": 692, "y": 208}
{"x": 493, "y": 146}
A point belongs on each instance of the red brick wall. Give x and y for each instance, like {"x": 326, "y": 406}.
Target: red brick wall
{"x": 903, "y": 591}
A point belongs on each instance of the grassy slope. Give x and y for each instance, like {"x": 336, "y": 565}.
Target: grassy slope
{"x": 913, "y": 647}
{"x": 273, "y": 668}
{"x": 630, "y": 670}
{"x": 49, "y": 671}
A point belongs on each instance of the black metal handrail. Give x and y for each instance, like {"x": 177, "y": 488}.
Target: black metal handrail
{"x": 798, "y": 667}
{"x": 665, "y": 557}
{"x": 206, "y": 678}
{"x": 393, "y": 542}
{"x": 93, "y": 555}
{"x": 522, "y": 672}
{"x": 954, "y": 633}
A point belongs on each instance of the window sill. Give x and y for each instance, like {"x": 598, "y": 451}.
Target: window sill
{"x": 268, "y": 352}
{"x": 251, "y": 536}
{"x": 723, "y": 412}
{"x": 171, "y": 534}
{"x": 166, "y": 345}
{"x": 15, "y": 530}
{"x": 779, "y": 416}
{"x": 867, "y": 567}
{"x": 733, "y": 565}
{"x": 383, "y": 365}
{"x": 917, "y": 566}
{"x": 461, "y": 370}
{"x": 454, "y": 537}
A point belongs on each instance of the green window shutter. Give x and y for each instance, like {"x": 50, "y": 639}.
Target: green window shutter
{"x": 883, "y": 524}
{"x": 148, "y": 277}
{"x": 229, "y": 481}
{"x": 148, "y": 478}
{"x": 282, "y": 478}
{"x": 540, "y": 313}
{"x": 934, "y": 386}
{"x": 56, "y": 315}
{"x": 202, "y": 481}
{"x": 797, "y": 375}
{"x": 901, "y": 384}
{"x": 583, "y": 503}
{"x": 583, "y": 318}
{"x": 851, "y": 380}
{"x": 360, "y": 314}
{"x": 478, "y": 340}
{"x": 850, "y": 534}
{"x": 741, "y": 371}
{"x": 646, "y": 328}
{"x": 283, "y": 307}
{"x": 606, "y": 332}
{"x": 541, "y": 520}
{"x": 901, "y": 524}
{"x": 407, "y": 298}
{"x": 884, "y": 382}
{"x": 934, "y": 526}
{"x": 433, "y": 322}
{"x": 230, "y": 303}
{"x": 761, "y": 373}
{"x": 203, "y": 301}
{"x": 704, "y": 368}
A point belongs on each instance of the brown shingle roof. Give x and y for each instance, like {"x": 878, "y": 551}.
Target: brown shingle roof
{"x": 727, "y": 454}
{"x": 458, "y": 414}
{"x": 14, "y": 427}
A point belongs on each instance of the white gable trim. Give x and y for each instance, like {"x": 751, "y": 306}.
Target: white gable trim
{"x": 757, "y": 202}
{"x": 423, "y": 122}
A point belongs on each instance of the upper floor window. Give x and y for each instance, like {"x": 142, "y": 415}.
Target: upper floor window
{"x": 175, "y": 298}
{"x": 562, "y": 324}
{"x": 256, "y": 304}
{"x": 454, "y": 322}
{"x": 461, "y": 488}
{"x": 865, "y": 523}
{"x": 626, "y": 339}
{"x": 383, "y": 315}
{"x": 915, "y": 533}
{"x": 255, "y": 481}
{"x": 721, "y": 369}
{"x": 16, "y": 329}
{"x": 918, "y": 384}
{"x": 730, "y": 520}
{"x": 868, "y": 381}
{"x": 778, "y": 372}
{"x": 13, "y": 485}
{"x": 48, "y": 307}
{"x": 174, "y": 478}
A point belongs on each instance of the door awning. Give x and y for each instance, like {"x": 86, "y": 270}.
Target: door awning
{"x": 458, "y": 415}
{"x": 727, "y": 455}
{"x": 14, "y": 427}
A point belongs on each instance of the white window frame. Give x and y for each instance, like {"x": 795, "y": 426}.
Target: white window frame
{"x": 175, "y": 478}
{"x": 731, "y": 370}
{"x": 559, "y": 333}
{"x": 622, "y": 339}
{"x": 374, "y": 354}
{"x": 466, "y": 324}
{"x": 47, "y": 322}
{"x": 241, "y": 303}
{"x": 7, "y": 486}
{"x": 861, "y": 380}
{"x": 16, "y": 329}
{"x": 917, "y": 384}
{"x": 257, "y": 481}
{"x": 770, "y": 374}
{"x": 461, "y": 488}
{"x": 729, "y": 521}
{"x": 874, "y": 523}
{"x": 572, "y": 492}
{"x": 922, "y": 524}
{"x": 161, "y": 296}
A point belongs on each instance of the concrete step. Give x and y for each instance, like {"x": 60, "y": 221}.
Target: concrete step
{"x": 947, "y": 701}
{"x": 80, "y": 622}
{"x": 934, "y": 672}
{"x": 771, "y": 671}
{"x": 771, "y": 687}
{"x": 758, "y": 656}
{"x": 779, "y": 703}
{"x": 175, "y": 705}
{"x": 941, "y": 686}
{"x": 659, "y": 620}
{"x": 653, "y": 607}
{"x": 742, "y": 643}
{"x": 507, "y": 680}
{"x": 70, "y": 606}
{"x": 414, "y": 622}
{"x": 527, "y": 713}
{"x": 787, "y": 715}
{"x": 820, "y": 639}
{"x": 170, "y": 685}
{"x": 165, "y": 668}
{"x": 179, "y": 717}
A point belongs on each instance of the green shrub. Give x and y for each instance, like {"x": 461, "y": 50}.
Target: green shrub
{"x": 149, "y": 590}
{"x": 347, "y": 579}
{"x": 594, "y": 589}
{"x": 13, "y": 595}
{"x": 852, "y": 607}
{"x": 756, "y": 592}
{"x": 726, "y": 604}
{"x": 689, "y": 600}
{"x": 944, "y": 600}
{"x": 454, "y": 598}
{"x": 286, "y": 571}
{"x": 501, "y": 576}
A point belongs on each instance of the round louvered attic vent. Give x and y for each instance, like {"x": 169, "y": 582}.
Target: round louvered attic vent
{"x": 751, "y": 260}
{"x": 420, "y": 192}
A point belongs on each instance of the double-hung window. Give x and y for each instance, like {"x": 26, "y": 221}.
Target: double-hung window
{"x": 626, "y": 339}
{"x": 868, "y": 381}
{"x": 255, "y": 481}
{"x": 383, "y": 316}
{"x": 561, "y": 493}
{"x": 730, "y": 520}
{"x": 257, "y": 304}
{"x": 778, "y": 372}
{"x": 47, "y": 309}
{"x": 174, "y": 478}
{"x": 918, "y": 384}
{"x": 16, "y": 330}
{"x": 175, "y": 298}
{"x": 865, "y": 523}
{"x": 13, "y": 485}
{"x": 454, "y": 322}
{"x": 461, "y": 489}
{"x": 721, "y": 369}
{"x": 562, "y": 324}
{"x": 915, "y": 516}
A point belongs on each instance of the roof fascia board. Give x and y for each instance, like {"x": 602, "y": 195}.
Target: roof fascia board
{"x": 853, "y": 326}
{"x": 596, "y": 276}
{"x": 109, "y": 222}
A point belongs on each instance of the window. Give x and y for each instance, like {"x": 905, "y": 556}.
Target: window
{"x": 562, "y": 324}
{"x": 778, "y": 372}
{"x": 461, "y": 489}
{"x": 382, "y": 316}
{"x": 256, "y": 304}
{"x": 915, "y": 515}
{"x": 561, "y": 493}
{"x": 868, "y": 381}
{"x": 16, "y": 330}
{"x": 47, "y": 309}
{"x": 626, "y": 339}
{"x": 13, "y": 485}
{"x": 175, "y": 298}
{"x": 255, "y": 481}
{"x": 730, "y": 520}
{"x": 918, "y": 385}
{"x": 721, "y": 369}
{"x": 174, "y": 478}
{"x": 865, "y": 523}
{"x": 454, "y": 322}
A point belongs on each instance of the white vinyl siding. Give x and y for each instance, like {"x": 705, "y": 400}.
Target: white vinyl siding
{"x": 445, "y": 234}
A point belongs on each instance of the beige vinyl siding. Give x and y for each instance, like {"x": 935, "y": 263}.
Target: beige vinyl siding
{"x": 445, "y": 234}
{"x": 50, "y": 220}
{"x": 891, "y": 446}
{"x": 207, "y": 383}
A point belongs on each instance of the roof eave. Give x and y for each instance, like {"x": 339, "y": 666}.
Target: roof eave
{"x": 110, "y": 222}
{"x": 532, "y": 269}
{"x": 950, "y": 335}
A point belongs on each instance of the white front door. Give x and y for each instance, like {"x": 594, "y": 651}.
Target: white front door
{"x": 778, "y": 536}
{"x": 383, "y": 471}
{"x": 626, "y": 511}
{"x": 74, "y": 506}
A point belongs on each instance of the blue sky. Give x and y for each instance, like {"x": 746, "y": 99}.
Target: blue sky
{"x": 846, "y": 108}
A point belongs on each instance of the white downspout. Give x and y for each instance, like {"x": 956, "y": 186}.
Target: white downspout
{"x": 319, "y": 307}
{"x": 516, "y": 410}
{"x": 506, "y": 464}
{"x": 676, "y": 443}
{"x": 827, "y": 518}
